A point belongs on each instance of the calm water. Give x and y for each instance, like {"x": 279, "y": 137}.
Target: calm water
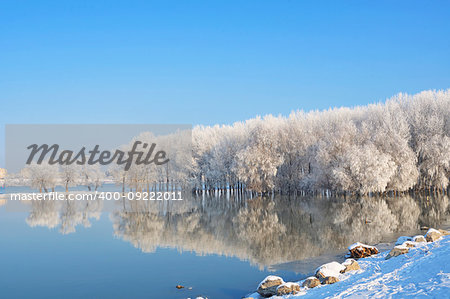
{"x": 220, "y": 246}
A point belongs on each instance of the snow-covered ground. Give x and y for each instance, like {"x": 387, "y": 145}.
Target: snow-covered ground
{"x": 424, "y": 271}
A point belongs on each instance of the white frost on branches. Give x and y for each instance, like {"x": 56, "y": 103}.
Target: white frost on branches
{"x": 398, "y": 145}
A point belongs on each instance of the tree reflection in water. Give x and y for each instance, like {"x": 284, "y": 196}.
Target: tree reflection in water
{"x": 263, "y": 231}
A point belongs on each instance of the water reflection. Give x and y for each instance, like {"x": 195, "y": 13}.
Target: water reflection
{"x": 263, "y": 231}
{"x": 65, "y": 214}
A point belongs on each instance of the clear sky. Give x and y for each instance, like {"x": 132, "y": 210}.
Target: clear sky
{"x": 207, "y": 62}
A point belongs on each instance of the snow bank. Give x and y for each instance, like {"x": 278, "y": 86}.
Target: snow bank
{"x": 424, "y": 271}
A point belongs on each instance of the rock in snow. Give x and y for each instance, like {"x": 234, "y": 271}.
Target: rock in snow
{"x": 288, "y": 288}
{"x": 433, "y": 235}
{"x": 359, "y": 250}
{"x": 332, "y": 269}
{"x": 350, "y": 265}
{"x": 311, "y": 282}
{"x": 330, "y": 280}
{"x": 268, "y": 287}
{"x": 409, "y": 244}
{"x": 397, "y": 250}
{"x": 444, "y": 232}
{"x": 419, "y": 239}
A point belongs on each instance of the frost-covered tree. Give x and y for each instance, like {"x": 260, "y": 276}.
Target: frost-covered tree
{"x": 388, "y": 128}
{"x": 91, "y": 176}
{"x": 258, "y": 160}
{"x": 69, "y": 175}
{"x": 429, "y": 118}
{"x": 43, "y": 177}
{"x": 178, "y": 171}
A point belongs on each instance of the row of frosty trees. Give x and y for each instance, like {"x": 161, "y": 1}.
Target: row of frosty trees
{"x": 400, "y": 145}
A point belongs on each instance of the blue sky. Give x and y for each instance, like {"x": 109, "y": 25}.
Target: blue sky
{"x": 207, "y": 62}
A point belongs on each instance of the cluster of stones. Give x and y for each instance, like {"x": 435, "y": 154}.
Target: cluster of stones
{"x": 404, "y": 243}
{"x": 269, "y": 287}
{"x": 329, "y": 273}
{"x": 325, "y": 274}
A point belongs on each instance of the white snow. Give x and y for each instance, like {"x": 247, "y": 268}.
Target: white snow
{"x": 289, "y": 284}
{"x": 331, "y": 269}
{"x": 432, "y": 230}
{"x": 424, "y": 271}
{"x": 357, "y": 244}
{"x": 270, "y": 278}
{"x": 348, "y": 262}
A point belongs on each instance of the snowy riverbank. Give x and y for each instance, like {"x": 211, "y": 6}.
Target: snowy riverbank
{"x": 424, "y": 270}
